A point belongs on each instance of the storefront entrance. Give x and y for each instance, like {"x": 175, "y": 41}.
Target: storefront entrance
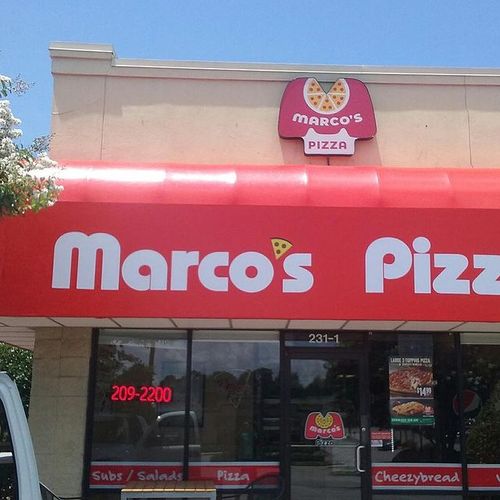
{"x": 327, "y": 445}
{"x": 321, "y": 411}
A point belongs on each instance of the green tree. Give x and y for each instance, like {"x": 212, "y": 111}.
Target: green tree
{"x": 482, "y": 442}
{"x": 17, "y": 363}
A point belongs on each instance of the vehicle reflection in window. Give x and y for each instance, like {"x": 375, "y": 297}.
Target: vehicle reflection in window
{"x": 235, "y": 393}
{"x": 117, "y": 435}
{"x": 140, "y": 394}
{"x": 164, "y": 440}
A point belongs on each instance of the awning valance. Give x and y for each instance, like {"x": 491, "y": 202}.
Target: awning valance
{"x": 282, "y": 185}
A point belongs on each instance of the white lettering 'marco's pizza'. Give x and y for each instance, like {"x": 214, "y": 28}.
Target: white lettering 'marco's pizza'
{"x": 407, "y": 380}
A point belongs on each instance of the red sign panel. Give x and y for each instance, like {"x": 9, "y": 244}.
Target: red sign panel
{"x": 329, "y": 121}
{"x": 381, "y": 435}
{"x": 229, "y": 475}
{"x": 417, "y": 476}
{"x": 483, "y": 477}
{"x": 194, "y": 261}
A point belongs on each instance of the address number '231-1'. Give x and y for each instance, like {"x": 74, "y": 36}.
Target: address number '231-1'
{"x": 323, "y": 338}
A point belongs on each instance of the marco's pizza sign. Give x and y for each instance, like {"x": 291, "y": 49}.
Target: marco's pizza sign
{"x": 329, "y": 120}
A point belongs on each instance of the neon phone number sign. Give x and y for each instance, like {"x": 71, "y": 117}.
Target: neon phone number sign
{"x": 144, "y": 393}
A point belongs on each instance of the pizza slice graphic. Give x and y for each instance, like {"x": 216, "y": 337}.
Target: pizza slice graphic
{"x": 280, "y": 247}
{"x": 323, "y": 102}
{"x": 314, "y": 93}
{"x": 338, "y": 94}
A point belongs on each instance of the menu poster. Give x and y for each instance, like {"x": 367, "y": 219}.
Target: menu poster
{"x": 411, "y": 390}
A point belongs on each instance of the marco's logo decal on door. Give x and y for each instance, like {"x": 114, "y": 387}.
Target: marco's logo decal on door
{"x": 329, "y": 121}
{"x": 324, "y": 428}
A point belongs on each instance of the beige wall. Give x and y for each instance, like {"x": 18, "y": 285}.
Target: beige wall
{"x": 58, "y": 406}
{"x": 149, "y": 111}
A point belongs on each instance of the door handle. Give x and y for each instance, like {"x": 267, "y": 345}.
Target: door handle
{"x": 358, "y": 458}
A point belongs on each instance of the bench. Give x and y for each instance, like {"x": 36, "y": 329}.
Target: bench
{"x": 169, "y": 489}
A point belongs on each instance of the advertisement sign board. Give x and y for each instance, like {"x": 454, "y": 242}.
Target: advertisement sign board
{"x": 411, "y": 390}
{"x": 328, "y": 121}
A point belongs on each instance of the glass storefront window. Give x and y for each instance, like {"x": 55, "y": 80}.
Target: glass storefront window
{"x": 140, "y": 421}
{"x": 411, "y": 430}
{"x": 139, "y": 404}
{"x": 236, "y": 395}
{"x": 234, "y": 420}
{"x": 481, "y": 365}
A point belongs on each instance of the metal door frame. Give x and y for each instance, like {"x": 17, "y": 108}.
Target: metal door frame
{"x": 334, "y": 353}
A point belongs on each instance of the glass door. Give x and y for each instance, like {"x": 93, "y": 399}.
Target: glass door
{"x": 327, "y": 445}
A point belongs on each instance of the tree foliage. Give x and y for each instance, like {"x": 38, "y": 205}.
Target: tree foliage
{"x": 17, "y": 363}
{"x": 26, "y": 172}
{"x": 482, "y": 442}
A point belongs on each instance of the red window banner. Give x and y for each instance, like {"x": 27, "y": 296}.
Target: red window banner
{"x": 118, "y": 474}
{"x": 232, "y": 475}
{"x": 225, "y": 475}
{"x": 484, "y": 477}
{"x": 417, "y": 476}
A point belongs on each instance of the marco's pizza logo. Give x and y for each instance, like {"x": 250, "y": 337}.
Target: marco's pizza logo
{"x": 319, "y": 426}
{"x": 329, "y": 120}
{"x": 78, "y": 258}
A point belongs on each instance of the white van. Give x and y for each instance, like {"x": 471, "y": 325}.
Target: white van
{"x": 17, "y": 456}
{"x": 18, "y": 468}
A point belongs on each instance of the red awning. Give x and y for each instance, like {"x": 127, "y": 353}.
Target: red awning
{"x": 284, "y": 185}
{"x": 288, "y": 242}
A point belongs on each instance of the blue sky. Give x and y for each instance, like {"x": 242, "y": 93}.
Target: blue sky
{"x": 439, "y": 33}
